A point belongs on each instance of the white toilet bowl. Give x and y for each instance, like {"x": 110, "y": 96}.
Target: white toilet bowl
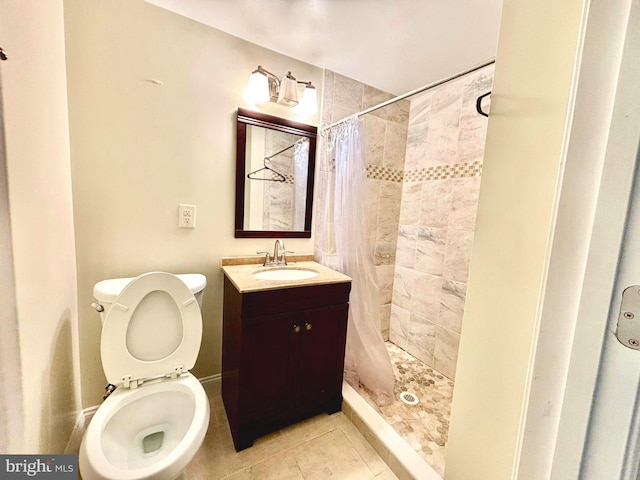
{"x": 152, "y": 425}
{"x": 150, "y": 432}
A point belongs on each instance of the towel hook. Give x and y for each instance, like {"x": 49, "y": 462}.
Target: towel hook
{"x": 3, "y": 55}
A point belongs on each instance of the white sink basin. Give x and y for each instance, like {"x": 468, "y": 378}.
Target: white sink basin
{"x": 285, "y": 274}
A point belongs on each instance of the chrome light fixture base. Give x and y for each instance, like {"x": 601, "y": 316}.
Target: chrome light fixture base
{"x": 265, "y": 86}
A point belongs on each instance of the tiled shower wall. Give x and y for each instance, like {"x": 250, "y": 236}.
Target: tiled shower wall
{"x": 442, "y": 169}
{"x": 386, "y": 130}
{"x": 424, "y": 160}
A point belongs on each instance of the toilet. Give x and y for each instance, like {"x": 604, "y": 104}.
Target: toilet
{"x": 153, "y": 423}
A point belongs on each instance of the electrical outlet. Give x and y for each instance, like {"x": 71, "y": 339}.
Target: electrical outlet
{"x": 186, "y": 216}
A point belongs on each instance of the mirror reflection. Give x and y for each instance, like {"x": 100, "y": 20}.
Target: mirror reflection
{"x": 274, "y": 178}
{"x": 276, "y": 185}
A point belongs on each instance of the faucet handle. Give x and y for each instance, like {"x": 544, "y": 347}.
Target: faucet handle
{"x": 284, "y": 256}
{"x": 267, "y": 258}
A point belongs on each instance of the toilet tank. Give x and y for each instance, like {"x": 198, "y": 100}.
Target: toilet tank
{"x": 106, "y": 291}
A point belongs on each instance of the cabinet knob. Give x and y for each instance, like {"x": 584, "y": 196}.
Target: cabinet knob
{"x": 296, "y": 328}
{"x": 308, "y": 326}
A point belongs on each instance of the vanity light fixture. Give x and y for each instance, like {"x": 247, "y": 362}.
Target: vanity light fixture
{"x": 264, "y": 86}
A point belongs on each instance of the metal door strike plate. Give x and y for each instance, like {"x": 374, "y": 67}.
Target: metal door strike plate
{"x": 628, "y": 331}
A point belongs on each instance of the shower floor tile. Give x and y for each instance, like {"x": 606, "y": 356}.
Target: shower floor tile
{"x": 425, "y": 426}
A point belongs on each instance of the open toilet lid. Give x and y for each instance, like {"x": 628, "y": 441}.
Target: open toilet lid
{"x": 153, "y": 328}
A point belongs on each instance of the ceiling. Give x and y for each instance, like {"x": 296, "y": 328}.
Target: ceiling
{"x": 394, "y": 45}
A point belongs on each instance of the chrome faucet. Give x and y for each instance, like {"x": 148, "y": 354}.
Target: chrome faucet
{"x": 279, "y": 255}
{"x": 279, "y": 258}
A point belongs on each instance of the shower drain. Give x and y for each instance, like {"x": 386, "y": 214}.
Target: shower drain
{"x": 409, "y": 398}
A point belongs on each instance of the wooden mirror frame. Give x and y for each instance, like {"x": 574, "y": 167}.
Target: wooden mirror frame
{"x": 258, "y": 119}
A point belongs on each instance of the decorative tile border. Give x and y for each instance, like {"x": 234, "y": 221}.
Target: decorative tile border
{"x": 440, "y": 172}
{"x": 378, "y": 172}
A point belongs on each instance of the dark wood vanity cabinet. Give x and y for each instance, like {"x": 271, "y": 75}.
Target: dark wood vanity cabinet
{"x": 282, "y": 356}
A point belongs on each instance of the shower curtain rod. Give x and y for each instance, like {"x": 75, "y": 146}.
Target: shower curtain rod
{"x": 411, "y": 93}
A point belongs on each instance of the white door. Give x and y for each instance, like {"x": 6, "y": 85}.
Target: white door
{"x": 613, "y": 443}
{"x": 612, "y": 449}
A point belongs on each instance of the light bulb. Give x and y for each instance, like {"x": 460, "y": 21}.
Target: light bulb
{"x": 309, "y": 99}
{"x": 288, "y": 91}
{"x": 258, "y": 88}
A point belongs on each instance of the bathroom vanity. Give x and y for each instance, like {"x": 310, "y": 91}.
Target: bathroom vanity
{"x": 283, "y": 345}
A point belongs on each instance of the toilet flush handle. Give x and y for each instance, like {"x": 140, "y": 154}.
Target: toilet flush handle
{"x": 97, "y": 307}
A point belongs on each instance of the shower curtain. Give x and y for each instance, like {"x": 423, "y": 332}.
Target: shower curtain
{"x": 342, "y": 243}
{"x": 300, "y": 173}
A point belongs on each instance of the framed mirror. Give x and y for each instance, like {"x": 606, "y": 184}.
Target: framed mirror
{"x": 275, "y": 165}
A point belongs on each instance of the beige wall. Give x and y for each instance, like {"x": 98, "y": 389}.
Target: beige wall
{"x": 140, "y": 148}
{"x": 34, "y": 108}
{"x": 523, "y": 166}
{"x": 10, "y": 378}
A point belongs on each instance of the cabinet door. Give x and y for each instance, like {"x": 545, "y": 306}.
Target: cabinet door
{"x": 321, "y": 354}
{"x": 266, "y": 369}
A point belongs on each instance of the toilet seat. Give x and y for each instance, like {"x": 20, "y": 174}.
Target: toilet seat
{"x": 153, "y": 309}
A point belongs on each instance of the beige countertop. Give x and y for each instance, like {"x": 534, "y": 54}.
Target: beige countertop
{"x": 241, "y": 275}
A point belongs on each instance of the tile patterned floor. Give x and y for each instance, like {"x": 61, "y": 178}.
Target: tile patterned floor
{"x": 322, "y": 447}
{"x": 424, "y": 426}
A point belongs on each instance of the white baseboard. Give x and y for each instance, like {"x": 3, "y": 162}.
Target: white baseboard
{"x": 212, "y": 385}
